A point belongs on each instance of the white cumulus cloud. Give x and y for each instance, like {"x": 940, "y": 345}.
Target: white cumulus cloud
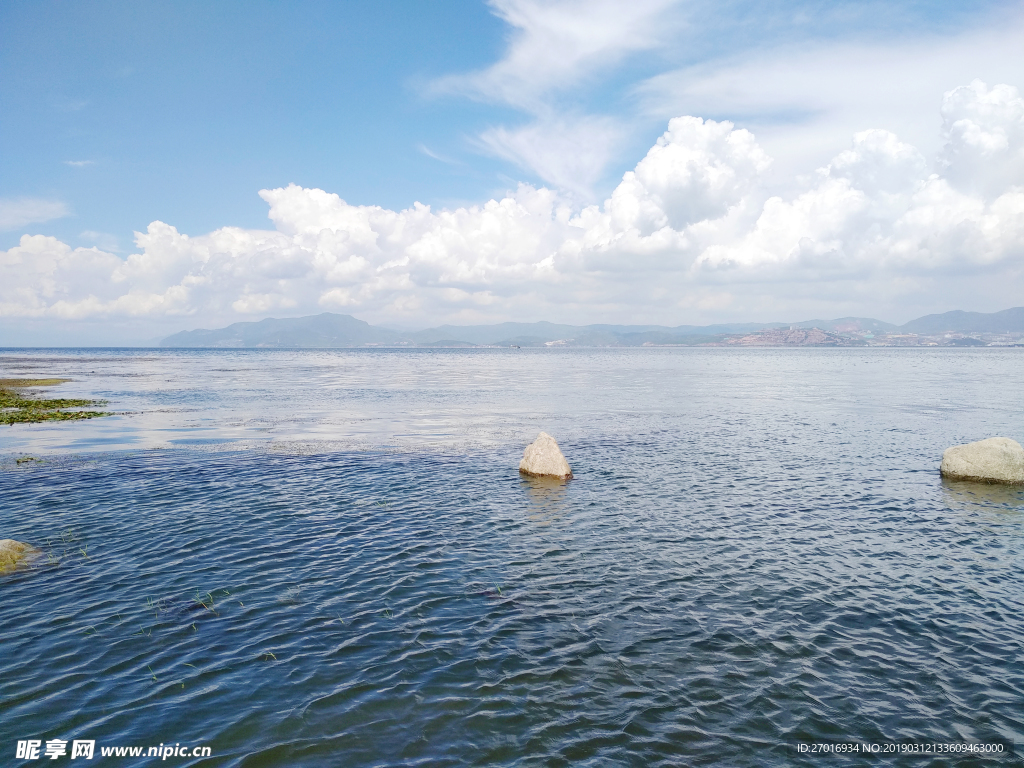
{"x": 984, "y": 128}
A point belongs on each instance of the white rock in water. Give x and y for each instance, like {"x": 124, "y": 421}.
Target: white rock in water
{"x": 14, "y": 553}
{"x": 542, "y": 458}
{"x": 996, "y": 460}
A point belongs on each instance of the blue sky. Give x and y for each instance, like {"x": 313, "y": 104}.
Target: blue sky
{"x": 114, "y": 115}
{"x": 182, "y": 111}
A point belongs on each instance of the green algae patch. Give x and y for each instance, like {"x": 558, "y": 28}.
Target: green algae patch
{"x": 15, "y": 555}
{"x": 14, "y": 383}
{"x": 17, "y": 409}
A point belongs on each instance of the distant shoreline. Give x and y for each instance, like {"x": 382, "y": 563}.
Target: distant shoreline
{"x": 529, "y": 347}
{"x": 328, "y": 330}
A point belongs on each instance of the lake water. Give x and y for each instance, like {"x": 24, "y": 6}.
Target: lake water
{"x": 328, "y": 558}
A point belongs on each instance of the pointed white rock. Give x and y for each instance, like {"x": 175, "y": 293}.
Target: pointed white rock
{"x": 543, "y": 458}
{"x": 995, "y": 460}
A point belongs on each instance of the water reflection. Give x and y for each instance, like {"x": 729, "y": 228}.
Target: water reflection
{"x": 547, "y": 496}
{"x": 409, "y": 400}
{"x": 965, "y": 496}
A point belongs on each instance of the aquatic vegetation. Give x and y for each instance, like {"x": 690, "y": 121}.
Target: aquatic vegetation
{"x": 201, "y": 600}
{"x": 9, "y": 383}
{"x": 15, "y": 408}
{"x": 168, "y": 608}
{"x": 480, "y": 589}
{"x": 206, "y": 600}
{"x": 67, "y": 536}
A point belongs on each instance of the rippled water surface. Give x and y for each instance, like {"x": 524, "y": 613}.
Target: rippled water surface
{"x": 310, "y": 558}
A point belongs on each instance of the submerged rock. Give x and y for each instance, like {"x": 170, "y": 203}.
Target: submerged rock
{"x": 995, "y": 460}
{"x": 543, "y": 458}
{"x": 15, "y": 554}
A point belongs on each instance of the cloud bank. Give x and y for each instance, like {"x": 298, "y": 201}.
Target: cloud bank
{"x": 694, "y": 233}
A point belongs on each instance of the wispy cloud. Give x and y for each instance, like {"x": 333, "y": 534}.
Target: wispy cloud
{"x": 554, "y": 50}
{"x": 435, "y": 156}
{"x": 79, "y": 163}
{"x": 17, "y": 212}
{"x": 556, "y": 45}
{"x": 569, "y": 152}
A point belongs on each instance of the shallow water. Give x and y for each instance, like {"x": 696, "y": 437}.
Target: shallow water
{"x": 329, "y": 558}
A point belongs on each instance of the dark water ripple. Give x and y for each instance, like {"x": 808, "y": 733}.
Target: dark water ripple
{"x": 713, "y": 587}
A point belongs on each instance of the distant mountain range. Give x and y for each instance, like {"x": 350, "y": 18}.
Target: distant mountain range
{"x": 958, "y": 321}
{"x": 332, "y": 330}
{"x": 326, "y": 330}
